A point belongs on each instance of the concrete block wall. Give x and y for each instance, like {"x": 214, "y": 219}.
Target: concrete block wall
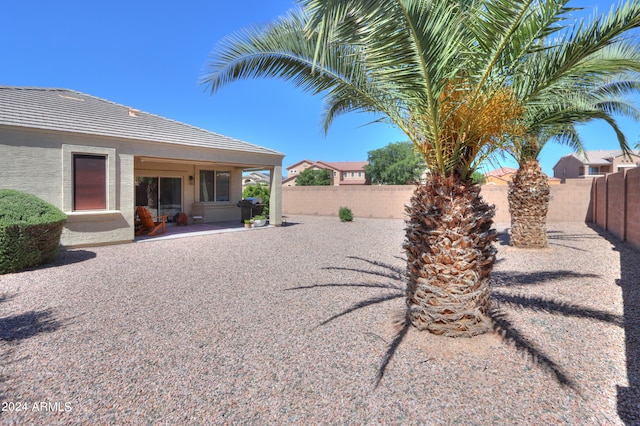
{"x": 616, "y": 198}
{"x": 570, "y": 202}
{"x": 615, "y": 206}
{"x": 633, "y": 207}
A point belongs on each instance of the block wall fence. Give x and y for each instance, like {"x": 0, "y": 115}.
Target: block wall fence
{"x": 570, "y": 202}
{"x": 612, "y": 202}
{"x": 616, "y": 204}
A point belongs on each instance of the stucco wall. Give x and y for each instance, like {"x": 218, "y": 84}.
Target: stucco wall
{"x": 32, "y": 161}
{"x": 570, "y": 202}
{"x": 568, "y": 167}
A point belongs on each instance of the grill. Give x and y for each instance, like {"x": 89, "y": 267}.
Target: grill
{"x": 249, "y": 207}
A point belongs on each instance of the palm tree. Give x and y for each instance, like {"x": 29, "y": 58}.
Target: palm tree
{"x": 555, "y": 120}
{"x": 585, "y": 74}
{"x": 441, "y": 72}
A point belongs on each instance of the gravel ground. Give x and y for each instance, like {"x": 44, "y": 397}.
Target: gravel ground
{"x": 295, "y": 325}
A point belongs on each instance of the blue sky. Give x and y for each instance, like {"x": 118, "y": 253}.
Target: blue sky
{"x": 151, "y": 54}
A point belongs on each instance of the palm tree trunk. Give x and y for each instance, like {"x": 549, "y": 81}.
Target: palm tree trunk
{"x": 529, "y": 196}
{"x": 449, "y": 258}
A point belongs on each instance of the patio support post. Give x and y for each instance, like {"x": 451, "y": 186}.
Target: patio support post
{"x": 275, "y": 196}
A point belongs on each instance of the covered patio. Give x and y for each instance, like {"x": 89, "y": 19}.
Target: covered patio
{"x": 175, "y": 231}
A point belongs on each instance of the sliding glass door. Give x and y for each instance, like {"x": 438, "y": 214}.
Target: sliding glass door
{"x": 161, "y": 195}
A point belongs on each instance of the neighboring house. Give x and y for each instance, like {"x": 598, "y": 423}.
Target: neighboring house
{"x": 97, "y": 160}
{"x": 501, "y": 176}
{"x": 255, "y": 178}
{"x": 504, "y": 175}
{"x": 593, "y": 164}
{"x": 342, "y": 173}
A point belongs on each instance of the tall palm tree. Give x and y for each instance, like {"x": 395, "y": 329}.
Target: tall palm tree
{"x": 439, "y": 70}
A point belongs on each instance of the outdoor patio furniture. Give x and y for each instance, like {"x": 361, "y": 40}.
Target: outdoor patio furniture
{"x": 149, "y": 224}
{"x": 197, "y": 213}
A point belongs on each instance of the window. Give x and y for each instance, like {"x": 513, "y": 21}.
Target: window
{"x": 353, "y": 174}
{"x": 335, "y": 174}
{"x": 359, "y": 174}
{"x": 89, "y": 182}
{"x": 594, "y": 170}
{"x": 222, "y": 186}
{"x": 214, "y": 185}
{"x": 206, "y": 185}
{"x": 344, "y": 175}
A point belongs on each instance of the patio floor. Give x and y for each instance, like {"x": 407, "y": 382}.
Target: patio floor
{"x": 174, "y": 231}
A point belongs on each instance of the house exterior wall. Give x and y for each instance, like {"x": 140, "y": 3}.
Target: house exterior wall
{"x": 298, "y": 168}
{"x": 34, "y": 162}
{"x": 40, "y": 163}
{"x": 345, "y": 177}
{"x": 568, "y": 167}
{"x": 570, "y": 202}
{"x": 622, "y": 162}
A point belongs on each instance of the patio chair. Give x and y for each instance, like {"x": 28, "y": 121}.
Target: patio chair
{"x": 197, "y": 213}
{"x": 149, "y": 224}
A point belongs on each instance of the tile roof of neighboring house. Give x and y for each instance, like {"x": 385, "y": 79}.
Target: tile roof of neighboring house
{"x": 71, "y": 111}
{"x": 598, "y": 157}
{"x": 256, "y": 177}
{"x": 501, "y": 172}
{"x": 345, "y": 166}
{"x": 300, "y": 162}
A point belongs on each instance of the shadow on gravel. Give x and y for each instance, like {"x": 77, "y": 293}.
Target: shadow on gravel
{"x": 63, "y": 258}
{"x": 510, "y": 279}
{"x": 504, "y": 239}
{"x": 629, "y": 282}
{"x": 69, "y": 257}
{"x": 502, "y": 302}
{"x": 29, "y": 324}
{"x": 14, "y": 328}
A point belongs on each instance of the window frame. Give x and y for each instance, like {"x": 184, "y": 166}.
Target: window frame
{"x": 84, "y": 191}
{"x": 215, "y": 183}
{"x": 68, "y": 154}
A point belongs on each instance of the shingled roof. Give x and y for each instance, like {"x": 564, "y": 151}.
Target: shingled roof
{"x": 71, "y": 111}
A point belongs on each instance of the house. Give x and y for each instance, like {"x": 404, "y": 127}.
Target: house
{"x": 97, "y": 160}
{"x": 342, "y": 173}
{"x": 255, "y": 178}
{"x": 501, "y": 176}
{"x": 593, "y": 164}
{"x": 504, "y": 175}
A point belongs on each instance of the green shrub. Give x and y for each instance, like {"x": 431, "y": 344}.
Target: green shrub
{"x": 259, "y": 190}
{"x": 345, "y": 214}
{"x": 30, "y": 231}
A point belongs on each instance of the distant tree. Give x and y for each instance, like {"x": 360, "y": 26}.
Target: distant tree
{"x": 312, "y": 177}
{"x": 478, "y": 178}
{"x": 258, "y": 190}
{"x": 396, "y": 164}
